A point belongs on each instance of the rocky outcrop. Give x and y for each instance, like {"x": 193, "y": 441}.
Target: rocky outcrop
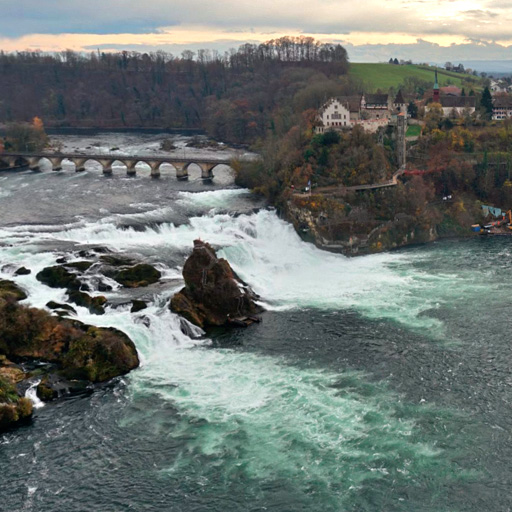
{"x": 213, "y": 293}
{"x": 138, "y": 305}
{"x": 76, "y": 355}
{"x": 58, "y": 277}
{"x": 14, "y": 409}
{"x": 94, "y": 304}
{"x": 357, "y": 233}
{"x": 138, "y": 276}
{"x": 9, "y": 290}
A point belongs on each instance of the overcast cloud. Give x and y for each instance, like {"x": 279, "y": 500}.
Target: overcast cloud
{"x": 203, "y": 23}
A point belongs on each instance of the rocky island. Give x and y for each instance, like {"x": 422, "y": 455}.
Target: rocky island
{"x": 213, "y": 294}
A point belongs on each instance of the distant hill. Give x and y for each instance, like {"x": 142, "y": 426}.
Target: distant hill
{"x": 493, "y": 67}
{"x": 384, "y": 76}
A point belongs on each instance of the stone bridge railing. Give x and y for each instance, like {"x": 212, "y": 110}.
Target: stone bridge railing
{"x": 33, "y": 161}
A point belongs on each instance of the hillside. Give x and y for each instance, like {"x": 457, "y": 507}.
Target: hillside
{"x": 384, "y": 76}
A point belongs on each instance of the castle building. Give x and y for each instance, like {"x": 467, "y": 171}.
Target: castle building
{"x": 371, "y": 111}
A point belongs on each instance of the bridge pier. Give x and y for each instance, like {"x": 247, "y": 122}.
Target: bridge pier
{"x": 181, "y": 170}
{"x": 130, "y": 167}
{"x": 79, "y": 164}
{"x": 11, "y": 161}
{"x": 107, "y": 166}
{"x": 206, "y": 171}
{"x": 56, "y": 163}
{"x": 155, "y": 168}
{"x": 33, "y": 163}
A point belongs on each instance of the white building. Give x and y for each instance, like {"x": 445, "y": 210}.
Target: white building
{"x": 502, "y": 107}
{"x": 370, "y": 111}
{"x": 335, "y": 114}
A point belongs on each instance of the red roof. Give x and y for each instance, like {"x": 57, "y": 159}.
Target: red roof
{"x": 451, "y": 90}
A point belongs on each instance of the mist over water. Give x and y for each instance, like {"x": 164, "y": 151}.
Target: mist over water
{"x": 374, "y": 383}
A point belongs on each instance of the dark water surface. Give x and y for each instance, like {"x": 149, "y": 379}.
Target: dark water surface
{"x": 380, "y": 383}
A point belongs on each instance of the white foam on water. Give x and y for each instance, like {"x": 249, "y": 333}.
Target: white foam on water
{"x": 260, "y": 413}
{"x": 267, "y": 253}
{"x": 212, "y": 198}
{"x": 31, "y": 394}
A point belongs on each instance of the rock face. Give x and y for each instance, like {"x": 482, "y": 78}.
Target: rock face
{"x": 58, "y": 277}
{"x": 76, "y": 354}
{"x": 212, "y": 290}
{"x": 137, "y": 276}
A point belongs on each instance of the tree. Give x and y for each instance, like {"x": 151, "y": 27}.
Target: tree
{"x": 486, "y": 101}
{"x": 25, "y": 137}
{"x": 412, "y": 110}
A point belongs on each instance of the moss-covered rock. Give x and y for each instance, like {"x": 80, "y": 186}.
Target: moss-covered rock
{"x": 9, "y": 290}
{"x": 94, "y": 304}
{"x": 58, "y": 277}
{"x": 82, "y": 266}
{"x": 137, "y": 276}
{"x": 13, "y": 408}
{"x": 138, "y": 305}
{"x": 99, "y": 355}
{"x": 60, "y": 307}
{"x": 45, "y": 391}
{"x": 116, "y": 261}
{"x": 33, "y": 334}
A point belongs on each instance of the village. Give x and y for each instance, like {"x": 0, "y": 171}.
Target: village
{"x": 372, "y": 111}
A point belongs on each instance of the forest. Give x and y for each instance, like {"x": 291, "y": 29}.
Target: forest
{"x": 232, "y": 96}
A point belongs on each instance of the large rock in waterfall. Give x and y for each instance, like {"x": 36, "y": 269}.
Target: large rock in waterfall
{"x": 213, "y": 293}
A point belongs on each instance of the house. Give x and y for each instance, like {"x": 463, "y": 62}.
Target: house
{"x": 498, "y": 86}
{"x": 453, "y": 105}
{"x": 502, "y": 107}
{"x": 458, "y": 105}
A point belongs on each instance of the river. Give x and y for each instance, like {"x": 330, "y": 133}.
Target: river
{"x": 378, "y": 383}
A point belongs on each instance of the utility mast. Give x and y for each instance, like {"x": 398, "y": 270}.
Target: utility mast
{"x": 401, "y": 144}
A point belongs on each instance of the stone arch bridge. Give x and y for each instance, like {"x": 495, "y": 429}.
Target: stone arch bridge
{"x": 33, "y": 160}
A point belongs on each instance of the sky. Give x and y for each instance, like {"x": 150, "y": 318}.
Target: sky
{"x": 371, "y": 30}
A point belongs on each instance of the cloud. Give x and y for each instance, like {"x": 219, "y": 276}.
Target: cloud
{"x": 467, "y": 18}
{"x": 422, "y": 30}
{"x": 426, "y": 51}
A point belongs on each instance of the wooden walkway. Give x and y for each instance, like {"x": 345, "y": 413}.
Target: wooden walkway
{"x": 337, "y": 190}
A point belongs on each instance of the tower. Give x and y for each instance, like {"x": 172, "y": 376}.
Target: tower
{"x": 401, "y": 143}
{"x": 435, "y": 95}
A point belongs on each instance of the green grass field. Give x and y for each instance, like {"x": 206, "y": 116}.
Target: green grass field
{"x": 384, "y": 76}
{"x": 413, "y": 130}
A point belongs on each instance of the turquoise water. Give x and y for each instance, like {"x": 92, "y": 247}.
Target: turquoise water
{"x": 375, "y": 383}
